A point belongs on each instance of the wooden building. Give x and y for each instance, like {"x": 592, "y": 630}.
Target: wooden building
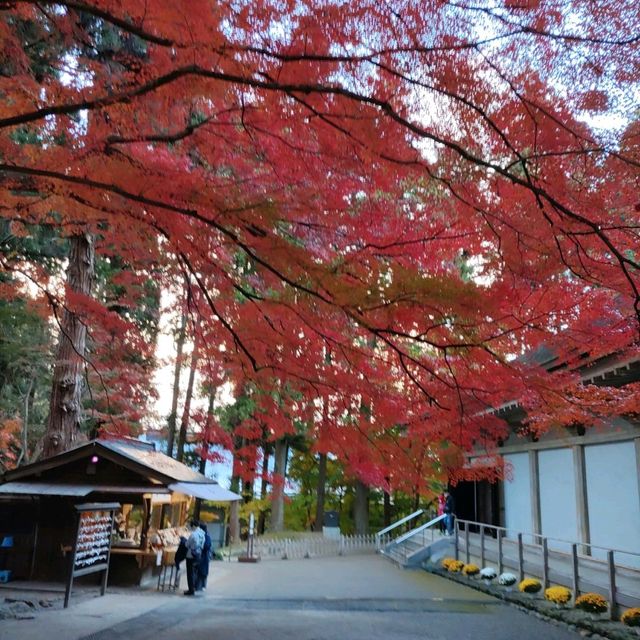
{"x": 570, "y": 484}
{"x": 155, "y": 492}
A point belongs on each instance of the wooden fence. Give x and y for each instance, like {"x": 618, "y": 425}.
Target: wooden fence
{"x": 615, "y": 575}
{"x": 313, "y": 546}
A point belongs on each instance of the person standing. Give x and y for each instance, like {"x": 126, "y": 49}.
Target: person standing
{"x": 449, "y": 510}
{"x": 203, "y": 566}
{"x": 195, "y": 543}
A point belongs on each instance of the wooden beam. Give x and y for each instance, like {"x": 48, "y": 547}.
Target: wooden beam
{"x": 534, "y": 477}
{"x": 582, "y": 506}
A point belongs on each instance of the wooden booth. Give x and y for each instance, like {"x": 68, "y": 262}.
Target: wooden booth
{"x": 38, "y": 508}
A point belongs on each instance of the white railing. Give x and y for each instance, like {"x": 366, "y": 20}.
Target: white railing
{"x": 383, "y": 536}
{"x": 420, "y": 529}
{"x": 413, "y": 541}
{"x": 615, "y": 573}
{"x": 391, "y": 527}
{"x": 313, "y": 546}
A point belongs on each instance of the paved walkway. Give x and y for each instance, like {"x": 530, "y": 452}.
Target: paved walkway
{"x": 348, "y": 598}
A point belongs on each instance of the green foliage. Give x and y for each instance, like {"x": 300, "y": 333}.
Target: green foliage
{"x": 39, "y": 244}
{"x": 138, "y": 302}
{"x": 26, "y": 346}
{"x": 299, "y": 512}
{"x": 232, "y": 415}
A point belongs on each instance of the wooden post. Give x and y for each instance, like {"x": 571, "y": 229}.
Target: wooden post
{"x": 36, "y": 532}
{"x": 581, "y": 497}
{"x": 500, "y": 566}
{"x": 520, "y": 557}
{"x": 456, "y": 531}
{"x": 482, "y": 545}
{"x": 466, "y": 542}
{"x": 534, "y": 474}
{"x": 545, "y": 563}
{"x": 612, "y": 585}
{"x": 574, "y": 565}
{"x": 67, "y": 591}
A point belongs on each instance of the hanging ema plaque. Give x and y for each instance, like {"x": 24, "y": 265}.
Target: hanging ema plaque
{"x": 92, "y": 547}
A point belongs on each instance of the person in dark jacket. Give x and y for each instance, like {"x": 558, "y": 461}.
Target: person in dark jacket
{"x": 449, "y": 510}
{"x": 181, "y": 551}
{"x": 203, "y": 567}
{"x": 195, "y": 543}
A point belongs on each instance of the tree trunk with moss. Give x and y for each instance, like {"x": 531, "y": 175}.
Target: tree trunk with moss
{"x": 65, "y": 408}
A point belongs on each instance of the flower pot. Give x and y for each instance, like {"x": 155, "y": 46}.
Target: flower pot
{"x": 486, "y": 581}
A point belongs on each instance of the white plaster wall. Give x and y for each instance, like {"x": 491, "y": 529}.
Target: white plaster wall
{"x": 517, "y": 496}
{"x": 613, "y": 500}
{"x": 558, "y": 509}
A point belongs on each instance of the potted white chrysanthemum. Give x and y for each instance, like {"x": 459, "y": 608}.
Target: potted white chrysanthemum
{"x": 507, "y": 580}
{"x": 488, "y": 574}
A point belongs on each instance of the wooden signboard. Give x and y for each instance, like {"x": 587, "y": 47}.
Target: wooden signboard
{"x": 92, "y": 548}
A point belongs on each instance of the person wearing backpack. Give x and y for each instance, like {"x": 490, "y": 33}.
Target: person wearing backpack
{"x": 203, "y": 565}
{"x": 195, "y": 543}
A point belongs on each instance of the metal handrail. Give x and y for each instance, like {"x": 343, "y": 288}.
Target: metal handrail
{"x": 542, "y": 536}
{"x": 417, "y": 530}
{"x": 411, "y": 516}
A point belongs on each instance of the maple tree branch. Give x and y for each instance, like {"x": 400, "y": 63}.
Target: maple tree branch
{"x": 490, "y": 11}
{"x": 381, "y": 104}
{"x": 89, "y": 9}
{"x": 193, "y": 213}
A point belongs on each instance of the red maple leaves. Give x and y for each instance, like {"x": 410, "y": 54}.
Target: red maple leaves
{"x": 378, "y": 211}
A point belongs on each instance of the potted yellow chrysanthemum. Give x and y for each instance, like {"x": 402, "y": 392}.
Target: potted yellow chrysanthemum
{"x": 631, "y": 618}
{"x": 558, "y": 595}
{"x": 592, "y": 603}
{"x": 530, "y": 586}
{"x": 471, "y": 570}
{"x": 455, "y": 566}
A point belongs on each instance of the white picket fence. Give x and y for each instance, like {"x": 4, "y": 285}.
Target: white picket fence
{"x": 313, "y": 546}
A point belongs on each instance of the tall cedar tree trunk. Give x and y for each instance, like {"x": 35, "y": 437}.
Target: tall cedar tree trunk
{"x": 361, "y": 504}
{"x": 277, "y": 489}
{"x": 202, "y": 467}
{"x": 234, "y": 516}
{"x": 266, "y": 452}
{"x": 186, "y": 412}
{"x": 322, "y": 480}
{"x": 387, "y": 509}
{"x": 234, "y": 522}
{"x": 322, "y": 474}
{"x": 416, "y": 500}
{"x": 65, "y": 409}
{"x": 361, "y": 508}
{"x": 23, "y": 458}
{"x": 171, "y": 422}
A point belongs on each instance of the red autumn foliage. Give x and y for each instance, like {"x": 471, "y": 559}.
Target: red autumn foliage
{"x": 382, "y": 217}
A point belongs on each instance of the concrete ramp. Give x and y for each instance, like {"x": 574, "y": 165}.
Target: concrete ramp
{"x": 413, "y": 552}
